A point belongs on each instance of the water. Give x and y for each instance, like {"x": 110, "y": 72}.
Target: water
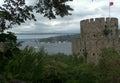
{"x": 50, "y": 48}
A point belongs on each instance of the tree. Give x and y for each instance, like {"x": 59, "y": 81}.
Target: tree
{"x": 27, "y": 65}
{"x": 14, "y": 12}
{"x": 108, "y": 68}
{"x": 10, "y": 48}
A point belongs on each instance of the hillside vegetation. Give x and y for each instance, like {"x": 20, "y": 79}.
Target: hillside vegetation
{"x": 39, "y": 67}
{"x": 68, "y": 38}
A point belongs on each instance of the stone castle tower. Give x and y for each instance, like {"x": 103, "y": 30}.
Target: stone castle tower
{"x": 96, "y": 34}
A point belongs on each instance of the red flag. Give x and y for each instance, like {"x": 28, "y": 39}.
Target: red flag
{"x": 111, "y": 3}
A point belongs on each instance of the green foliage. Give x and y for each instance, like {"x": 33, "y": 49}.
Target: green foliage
{"x": 26, "y": 66}
{"x": 10, "y": 47}
{"x": 109, "y": 66}
{"x": 53, "y": 8}
{"x": 35, "y": 67}
{"x": 38, "y": 67}
{"x": 54, "y": 72}
{"x": 78, "y": 60}
{"x": 9, "y": 36}
{"x": 109, "y": 52}
{"x": 14, "y": 12}
{"x": 84, "y": 73}
{"x": 106, "y": 31}
{"x": 59, "y": 57}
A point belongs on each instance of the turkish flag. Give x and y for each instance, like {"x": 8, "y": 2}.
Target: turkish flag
{"x": 111, "y": 3}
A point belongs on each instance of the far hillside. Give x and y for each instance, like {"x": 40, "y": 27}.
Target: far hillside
{"x": 68, "y": 38}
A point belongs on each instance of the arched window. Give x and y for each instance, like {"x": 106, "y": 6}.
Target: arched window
{"x": 94, "y": 35}
{"x": 105, "y": 26}
{"x": 93, "y": 54}
{"x": 83, "y": 50}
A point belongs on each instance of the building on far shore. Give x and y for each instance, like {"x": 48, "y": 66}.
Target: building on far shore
{"x": 96, "y": 34}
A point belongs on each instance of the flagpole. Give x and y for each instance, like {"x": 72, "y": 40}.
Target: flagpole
{"x": 109, "y": 8}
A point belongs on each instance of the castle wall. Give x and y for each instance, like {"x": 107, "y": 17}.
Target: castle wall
{"x": 92, "y": 28}
{"x": 76, "y": 46}
{"x": 96, "y": 34}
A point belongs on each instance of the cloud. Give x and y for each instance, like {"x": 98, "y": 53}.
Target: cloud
{"x": 82, "y": 10}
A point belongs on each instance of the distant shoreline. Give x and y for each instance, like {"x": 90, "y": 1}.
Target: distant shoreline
{"x": 49, "y": 38}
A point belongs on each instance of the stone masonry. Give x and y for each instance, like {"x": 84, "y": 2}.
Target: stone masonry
{"x": 96, "y": 34}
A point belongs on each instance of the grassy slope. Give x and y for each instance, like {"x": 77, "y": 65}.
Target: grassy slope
{"x": 60, "y": 38}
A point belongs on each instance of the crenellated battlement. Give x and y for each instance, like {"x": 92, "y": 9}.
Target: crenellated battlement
{"x": 96, "y": 20}
{"x": 95, "y": 25}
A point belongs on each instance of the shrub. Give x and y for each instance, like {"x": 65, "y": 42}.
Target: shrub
{"x": 26, "y": 66}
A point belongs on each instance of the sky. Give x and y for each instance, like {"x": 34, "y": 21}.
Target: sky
{"x": 83, "y": 9}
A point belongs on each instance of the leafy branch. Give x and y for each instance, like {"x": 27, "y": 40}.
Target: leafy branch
{"x": 14, "y": 12}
